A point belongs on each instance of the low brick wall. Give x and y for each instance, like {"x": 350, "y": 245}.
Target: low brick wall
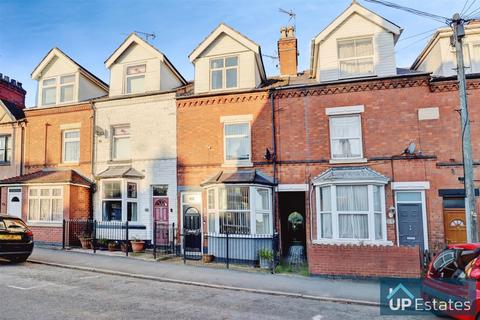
{"x": 364, "y": 261}
{"x": 47, "y": 234}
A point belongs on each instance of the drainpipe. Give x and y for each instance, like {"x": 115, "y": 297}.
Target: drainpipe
{"x": 93, "y": 187}
{"x": 274, "y": 157}
{"x": 22, "y": 146}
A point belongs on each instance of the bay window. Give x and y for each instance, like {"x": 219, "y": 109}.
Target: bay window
{"x": 119, "y": 201}
{"x": 239, "y": 210}
{"x": 355, "y": 57}
{"x": 45, "y": 204}
{"x": 5, "y": 149}
{"x": 351, "y": 212}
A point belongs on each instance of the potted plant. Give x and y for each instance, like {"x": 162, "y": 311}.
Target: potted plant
{"x": 125, "y": 247}
{"x": 112, "y": 246}
{"x": 266, "y": 258}
{"x": 85, "y": 240}
{"x": 137, "y": 245}
{"x": 208, "y": 258}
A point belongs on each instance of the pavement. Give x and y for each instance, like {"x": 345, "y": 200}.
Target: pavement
{"x": 362, "y": 292}
{"x": 42, "y": 292}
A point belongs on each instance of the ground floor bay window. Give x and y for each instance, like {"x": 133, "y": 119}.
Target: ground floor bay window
{"x": 239, "y": 210}
{"x": 45, "y": 204}
{"x": 351, "y": 209}
{"x": 119, "y": 200}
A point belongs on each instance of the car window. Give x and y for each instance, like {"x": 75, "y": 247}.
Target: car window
{"x": 14, "y": 224}
{"x": 2, "y": 225}
{"x": 444, "y": 259}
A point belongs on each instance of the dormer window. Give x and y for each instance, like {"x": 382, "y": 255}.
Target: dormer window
{"x": 58, "y": 90}
{"x": 224, "y": 73}
{"x": 135, "y": 78}
{"x": 355, "y": 57}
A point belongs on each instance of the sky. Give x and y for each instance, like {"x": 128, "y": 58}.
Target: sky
{"x": 90, "y": 30}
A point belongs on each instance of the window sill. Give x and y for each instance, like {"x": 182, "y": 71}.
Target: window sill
{"x": 5, "y": 164}
{"x": 120, "y": 161}
{"x": 68, "y": 164}
{"x": 44, "y": 224}
{"x": 345, "y": 161}
{"x": 237, "y": 164}
{"x": 354, "y": 242}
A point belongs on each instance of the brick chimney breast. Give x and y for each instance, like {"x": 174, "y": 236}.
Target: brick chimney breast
{"x": 287, "y": 52}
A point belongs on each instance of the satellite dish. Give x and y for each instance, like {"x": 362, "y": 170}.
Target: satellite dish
{"x": 410, "y": 149}
{"x": 99, "y": 131}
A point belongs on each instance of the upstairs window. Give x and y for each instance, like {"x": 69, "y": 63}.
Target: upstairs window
{"x": 237, "y": 142}
{"x": 135, "y": 78}
{"x": 355, "y": 57}
{"x": 58, "y": 90}
{"x": 121, "y": 143}
{"x": 71, "y": 146}
{"x": 224, "y": 73}
{"x": 5, "y": 149}
{"x": 346, "y": 137}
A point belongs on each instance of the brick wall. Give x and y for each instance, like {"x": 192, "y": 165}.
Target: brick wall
{"x": 12, "y": 92}
{"x": 364, "y": 261}
{"x": 52, "y": 235}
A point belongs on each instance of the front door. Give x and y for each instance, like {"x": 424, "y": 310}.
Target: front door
{"x": 410, "y": 224}
{"x": 14, "y": 206}
{"x": 455, "y": 225}
{"x": 160, "y": 217}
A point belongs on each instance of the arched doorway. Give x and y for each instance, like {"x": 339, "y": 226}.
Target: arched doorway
{"x": 192, "y": 229}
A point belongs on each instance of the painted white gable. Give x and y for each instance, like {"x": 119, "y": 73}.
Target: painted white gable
{"x": 159, "y": 75}
{"x": 224, "y": 41}
{"x": 56, "y": 65}
{"x": 438, "y": 56}
{"x": 356, "y": 22}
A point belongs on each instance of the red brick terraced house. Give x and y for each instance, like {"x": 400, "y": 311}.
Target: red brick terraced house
{"x": 57, "y": 180}
{"x": 368, "y": 154}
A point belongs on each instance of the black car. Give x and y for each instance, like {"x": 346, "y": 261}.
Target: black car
{"x": 16, "y": 239}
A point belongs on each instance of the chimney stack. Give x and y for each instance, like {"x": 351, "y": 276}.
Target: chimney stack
{"x": 287, "y": 52}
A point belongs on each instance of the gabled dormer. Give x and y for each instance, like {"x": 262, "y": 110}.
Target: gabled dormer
{"x": 61, "y": 80}
{"x": 227, "y": 60}
{"x": 138, "y": 67}
{"x": 358, "y": 43}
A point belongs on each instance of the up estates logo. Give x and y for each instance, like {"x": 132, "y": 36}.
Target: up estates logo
{"x": 400, "y": 298}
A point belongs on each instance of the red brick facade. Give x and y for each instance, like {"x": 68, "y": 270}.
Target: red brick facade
{"x": 12, "y": 91}
{"x": 390, "y": 122}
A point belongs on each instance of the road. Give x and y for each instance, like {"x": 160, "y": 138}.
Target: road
{"x": 31, "y": 291}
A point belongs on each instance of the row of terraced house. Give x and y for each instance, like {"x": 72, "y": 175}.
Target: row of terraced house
{"x": 367, "y": 153}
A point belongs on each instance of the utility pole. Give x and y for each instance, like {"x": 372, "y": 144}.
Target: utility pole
{"x": 470, "y": 201}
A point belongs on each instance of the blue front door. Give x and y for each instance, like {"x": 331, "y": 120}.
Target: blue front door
{"x": 410, "y": 224}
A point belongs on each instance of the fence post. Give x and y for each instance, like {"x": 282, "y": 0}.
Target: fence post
{"x": 126, "y": 236}
{"x": 94, "y": 236}
{"x": 155, "y": 239}
{"x": 184, "y": 247}
{"x": 228, "y": 251}
{"x": 173, "y": 238}
{"x": 63, "y": 235}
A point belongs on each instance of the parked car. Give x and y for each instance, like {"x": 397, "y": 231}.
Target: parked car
{"x": 16, "y": 239}
{"x": 455, "y": 274}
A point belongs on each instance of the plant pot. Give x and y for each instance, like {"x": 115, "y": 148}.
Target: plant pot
{"x": 265, "y": 263}
{"x": 86, "y": 243}
{"x": 125, "y": 247}
{"x": 112, "y": 247}
{"x": 138, "y": 246}
{"x": 208, "y": 258}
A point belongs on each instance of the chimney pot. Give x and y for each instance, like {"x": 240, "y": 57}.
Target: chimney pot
{"x": 288, "y": 51}
{"x": 6, "y": 78}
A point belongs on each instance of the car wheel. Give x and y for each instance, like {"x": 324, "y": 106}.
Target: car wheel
{"x": 18, "y": 259}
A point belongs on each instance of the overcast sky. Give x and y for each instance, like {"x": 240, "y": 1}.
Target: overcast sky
{"x": 90, "y": 30}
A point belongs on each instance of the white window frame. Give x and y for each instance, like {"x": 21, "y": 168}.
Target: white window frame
{"x": 360, "y": 137}
{"x": 335, "y": 239}
{"x": 356, "y": 58}
{"x": 215, "y": 212}
{"x": 114, "y": 137}
{"x": 124, "y": 199}
{"x": 7, "y": 156}
{"x": 126, "y": 76}
{"x": 240, "y": 120}
{"x": 58, "y": 85}
{"x": 65, "y": 140}
{"x": 50, "y": 197}
{"x": 224, "y": 72}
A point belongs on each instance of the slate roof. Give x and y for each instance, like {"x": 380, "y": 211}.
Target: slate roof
{"x": 339, "y": 174}
{"x": 239, "y": 177}
{"x": 46, "y": 176}
{"x": 120, "y": 172}
{"x": 17, "y": 112}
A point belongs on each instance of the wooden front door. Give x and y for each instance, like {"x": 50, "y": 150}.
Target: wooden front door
{"x": 455, "y": 225}
{"x": 160, "y": 217}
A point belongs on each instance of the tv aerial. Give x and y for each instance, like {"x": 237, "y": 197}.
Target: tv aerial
{"x": 292, "y": 16}
{"x": 147, "y": 35}
{"x": 410, "y": 150}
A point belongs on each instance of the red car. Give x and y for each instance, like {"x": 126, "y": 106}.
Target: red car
{"x": 455, "y": 274}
